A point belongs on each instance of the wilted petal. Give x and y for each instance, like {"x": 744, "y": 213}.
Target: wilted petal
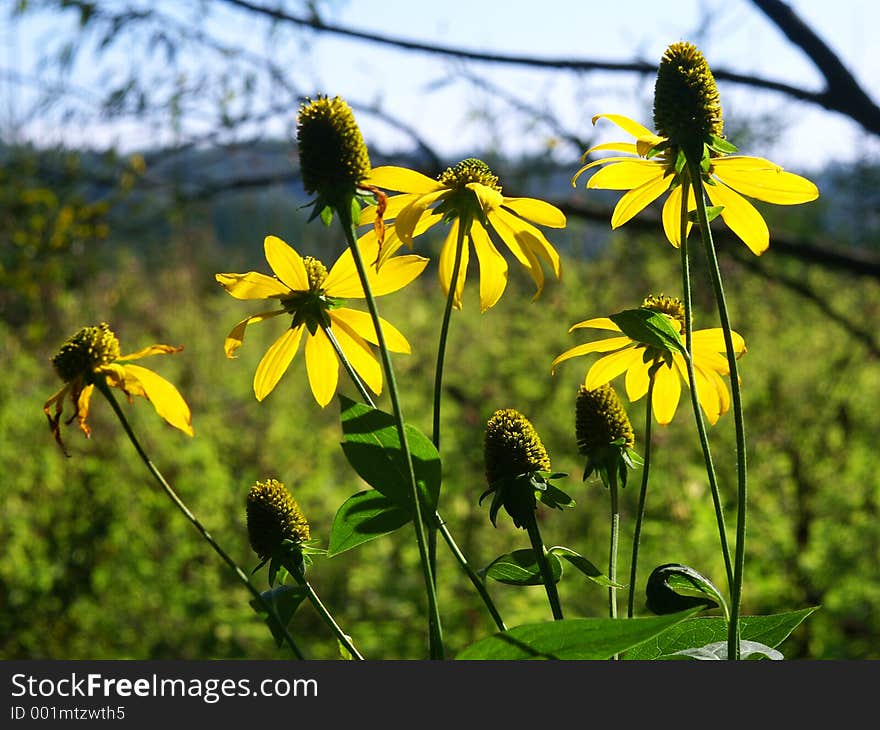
{"x": 166, "y": 399}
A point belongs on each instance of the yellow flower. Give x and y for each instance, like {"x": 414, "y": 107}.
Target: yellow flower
{"x": 469, "y": 192}
{"x": 305, "y": 290}
{"x": 91, "y": 356}
{"x": 656, "y": 164}
{"x": 637, "y": 359}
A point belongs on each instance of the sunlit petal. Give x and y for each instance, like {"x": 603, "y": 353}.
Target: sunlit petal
{"x": 531, "y": 238}
{"x": 252, "y": 285}
{"x": 607, "y": 368}
{"x": 166, "y": 399}
{"x": 611, "y": 147}
{"x": 638, "y": 199}
{"x": 359, "y": 354}
{"x": 536, "y": 211}
{"x": 344, "y": 282}
{"x": 322, "y": 366}
{"x": 518, "y": 244}
{"x": 286, "y": 263}
{"x": 408, "y": 218}
{"x": 713, "y": 339}
{"x": 236, "y": 336}
{"x": 595, "y": 163}
{"x": 606, "y": 345}
{"x": 763, "y": 180}
{"x": 493, "y": 268}
{"x": 447, "y": 263}
{"x": 489, "y": 198}
{"x": 393, "y": 206}
{"x": 402, "y": 179}
{"x": 626, "y": 175}
{"x": 276, "y": 361}
{"x": 638, "y": 378}
{"x": 667, "y": 391}
{"x": 361, "y": 323}
{"x": 151, "y": 350}
{"x": 629, "y": 125}
{"x": 741, "y": 217}
{"x": 599, "y": 323}
{"x": 672, "y": 214}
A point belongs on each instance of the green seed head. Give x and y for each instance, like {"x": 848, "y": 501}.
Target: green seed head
{"x": 332, "y": 154}
{"x": 512, "y": 446}
{"x": 272, "y": 517}
{"x": 601, "y": 420}
{"x": 669, "y": 306}
{"x": 467, "y": 171}
{"x": 316, "y": 271}
{"x": 88, "y": 349}
{"x": 687, "y": 106}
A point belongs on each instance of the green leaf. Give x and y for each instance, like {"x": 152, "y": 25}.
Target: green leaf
{"x": 284, "y": 600}
{"x": 712, "y": 212}
{"x": 363, "y": 517}
{"x": 719, "y": 144}
{"x": 520, "y": 568}
{"x": 373, "y": 449}
{"x": 769, "y": 630}
{"x": 718, "y": 650}
{"x": 585, "y": 566}
{"x": 673, "y": 587}
{"x": 577, "y": 638}
{"x": 648, "y": 327}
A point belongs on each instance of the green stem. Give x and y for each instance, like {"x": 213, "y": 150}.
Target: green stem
{"x": 438, "y": 522}
{"x": 733, "y": 638}
{"x": 324, "y": 613}
{"x": 643, "y": 493}
{"x": 434, "y": 625}
{"x": 612, "y": 551}
{"x": 695, "y": 397}
{"x": 102, "y": 386}
{"x": 544, "y": 566}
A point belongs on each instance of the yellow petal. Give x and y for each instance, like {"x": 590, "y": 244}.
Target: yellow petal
{"x": 629, "y": 125}
{"x": 606, "y": 345}
{"x": 713, "y": 339}
{"x": 611, "y": 147}
{"x": 276, "y": 361}
{"x": 626, "y": 175}
{"x": 322, "y": 366}
{"x": 166, "y": 399}
{"x": 638, "y": 379}
{"x": 637, "y": 199}
{"x": 667, "y": 390}
{"x": 607, "y": 368}
{"x": 599, "y": 323}
{"x": 402, "y": 180}
{"x": 359, "y": 354}
{"x": 672, "y": 215}
{"x": 361, "y": 323}
{"x": 236, "y": 336}
{"x": 708, "y": 394}
{"x": 406, "y": 222}
{"x": 286, "y": 263}
{"x": 763, "y": 180}
{"x": 741, "y": 217}
{"x": 393, "y": 206}
{"x": 493, "y": 268}
{"x": 447, "y": 263}
{"x": 151, "y": 350}
{"x": 489, "y": 198}
{"x": 510, "y": 230}
{"x": 536, "y": 211}
{"x": 344, "y": 282}
{"x": 252, "y": 285}
{"x": 595, "y": 163}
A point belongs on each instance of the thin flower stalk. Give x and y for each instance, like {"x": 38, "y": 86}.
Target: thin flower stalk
{"x": 544, "y": 566}
{"x": 640, "y": 510}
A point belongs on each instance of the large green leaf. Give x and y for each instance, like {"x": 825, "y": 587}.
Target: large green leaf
{"x": 585, "y": 566}
{"x": 770, "y": 630}
{"x": 372, "y": 447}
{"x": 577, "y": 638}
{"x": 362, "y": 517}
{"x": 520, "y": 568}
{"x": 649, "y": 327}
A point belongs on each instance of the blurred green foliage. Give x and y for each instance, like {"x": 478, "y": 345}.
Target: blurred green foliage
{"x": 99, "y": 564}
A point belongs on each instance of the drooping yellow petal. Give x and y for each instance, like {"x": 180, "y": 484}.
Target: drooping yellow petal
{"x": 151, "y": 350}
{"x": 638, "y": 378}
{"x": 407, "y": 220}
{"x": 536, "y": 211}
{"x": 286, "y": 263}
{"x": 361, "y": 323}
{"x": 402, "y": 179}
{"x": 596, "y": 163}
{"x": 713, "y": 339}
{"x": 611, "y": 147}
{"x": 741, "y": 217}
{"x": 493, "y": 268}
{"x": 763, "y": 180}
{"x": 276, "y": 361}
{"x": 322, "y": 366}
{"x": 637, "y": 199}
{"x": 531, "y": 238}
{"x": 344, "y": 282}
{"x": 599, "y": 323}
{"x": 708, "y": 395}
{"x": 447, "y": 263}
{"x": 667, "y": 391}
{"x": 359, "y": 354}
{"x": 518, "y": 244}
{"x": 606, "y": 345}
{"x": 166, "y": 399}
{"x": 629, "y": 125}
{"x": 393, "y": 206}
{"x": 605, "y": 369}
{"x": 252, "y": 285}
{"x": 489, "y": 198}
{"x": 626, "y": 175}
{"x": 236, "y": 336}
{"x": 672, "y": 214}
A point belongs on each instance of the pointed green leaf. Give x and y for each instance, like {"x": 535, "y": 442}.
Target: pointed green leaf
{"x": 675, "y": 587}
{"x": 373, "y": 449}
{"x": 769, "y": 630}
{"x": 362, "y": 517}
{"x": 284, "y": 600}
{"x": 585, "y": 567}
{"x": 520, "y": 568}
{"x": 578, "y": 638}
{"x": 720, "y": 144}
{"x": 649, "y": 327}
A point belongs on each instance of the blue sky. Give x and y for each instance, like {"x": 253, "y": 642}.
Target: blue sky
{"x": 427, "y": 92}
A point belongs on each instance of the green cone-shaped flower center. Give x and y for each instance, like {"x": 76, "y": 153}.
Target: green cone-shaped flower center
{"x": 86, "y": 350}
{"x": 687, "y": 106}
{"x": 272, "y": 517}
{"x": 669, "y": 306}
{"x": 467, "y": 171}
{"x": 601, "y": 420}
{"x": 513, "y": 446}
{"x": 317, "y": 273}
{"x": 332, "y": 155}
